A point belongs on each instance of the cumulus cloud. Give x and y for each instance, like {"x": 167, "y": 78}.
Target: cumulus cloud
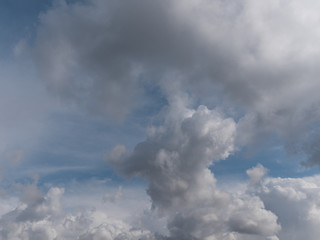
{"x": 42, "y": 217}
{"x": 295, "y": 202}
{"x": 175, "y": 159}
{"x": 175, "y": 155}
{"x": 276, "y": 208}
{"x": 256, "y": 174}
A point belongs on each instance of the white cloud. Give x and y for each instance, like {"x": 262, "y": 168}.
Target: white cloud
{"x": 42, "y": 217}
{"x": 278, "y": 208}
{"x": 256, "y": 174}
{"x": 296, "y": 203}
{"x": 175, "y": 159}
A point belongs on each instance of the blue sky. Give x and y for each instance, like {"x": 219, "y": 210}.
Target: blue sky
{"x": 159, "y": 119}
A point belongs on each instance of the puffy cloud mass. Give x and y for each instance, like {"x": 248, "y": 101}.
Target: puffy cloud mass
{"x": 276, "y": 208}
{"x": 41, "y": 217}
{"x": 101, "y": 55}
{"x": 175, "y": 159}
{"x": 296, "y": 203}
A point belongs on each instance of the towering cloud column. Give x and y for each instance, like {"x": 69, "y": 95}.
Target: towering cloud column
{"x": 174, "y": 159}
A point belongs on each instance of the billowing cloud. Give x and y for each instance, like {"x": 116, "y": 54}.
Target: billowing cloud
{"x": 101, "y": 54}
{"x": 175, "y": 160}
{"x": 296, "y": 203}
{"x": 276, "y": 208}
{"x": 175, "y": 156}
{"x": 42, "y": 217}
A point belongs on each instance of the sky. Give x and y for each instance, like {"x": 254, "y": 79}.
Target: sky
{"x": 159, "y": 120}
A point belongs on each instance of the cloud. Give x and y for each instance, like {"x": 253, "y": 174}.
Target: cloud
{"x": 276, "y": 208}
{"x": 98, "y": 54}
{"x": 42, "y": 217}
{"x": 295, "y": 201}
{"x": 252, "y": 218}
{"x": 32, "y": 219}
{"x": 108, "y": 197}
{"x": 256, "y": 174}
{"x": 101, "y": 54}
{"x": 96, "y": 74}
{"x": 176, "y": 154}
{"x": 175, "y": 159}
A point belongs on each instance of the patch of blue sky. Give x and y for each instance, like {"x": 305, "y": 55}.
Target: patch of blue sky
{"x": 62, "y": 174}
{"x": 19, "y": 20}
{"x": 149, "y": 112}
{"x": 75, "y": 146}
{"x": 83, "y": 133}
{"x": 275, "y": 158}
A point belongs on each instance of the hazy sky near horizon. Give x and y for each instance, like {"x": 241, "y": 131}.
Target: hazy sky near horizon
{"x": 149, "y": 119}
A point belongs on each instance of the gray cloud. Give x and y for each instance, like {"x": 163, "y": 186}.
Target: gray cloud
{"x": 42, "y": 217}
{"x": 100, "y": 54}
{"x": 175, "y": 160}
{"x": 175, "y": 156}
